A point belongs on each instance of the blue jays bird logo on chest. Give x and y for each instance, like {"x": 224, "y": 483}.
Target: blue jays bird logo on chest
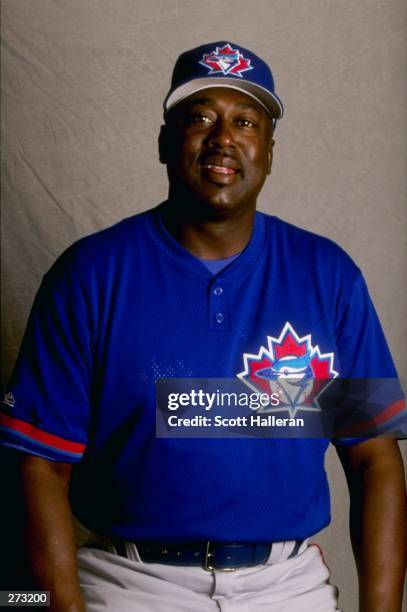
{"x": 291, "y": 367}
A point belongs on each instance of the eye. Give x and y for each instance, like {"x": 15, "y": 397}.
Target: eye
{"x": 199, "y": 118}
{"x": 246, "y": 122}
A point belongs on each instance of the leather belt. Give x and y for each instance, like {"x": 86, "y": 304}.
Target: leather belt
{"x": 209, "y": 555}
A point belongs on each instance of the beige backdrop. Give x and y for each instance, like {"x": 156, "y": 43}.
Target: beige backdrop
{"x": 83, "y": 83}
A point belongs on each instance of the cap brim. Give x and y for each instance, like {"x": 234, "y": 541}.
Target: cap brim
{"x": 270, "y": 102}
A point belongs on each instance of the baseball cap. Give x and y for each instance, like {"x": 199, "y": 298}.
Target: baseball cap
{"x": 223, "y": 64}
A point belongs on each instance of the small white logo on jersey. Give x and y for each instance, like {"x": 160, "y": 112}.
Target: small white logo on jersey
{"x": 9, "y": 399}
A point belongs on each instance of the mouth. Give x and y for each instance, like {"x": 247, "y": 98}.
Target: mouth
{"x": 220, "y": 169}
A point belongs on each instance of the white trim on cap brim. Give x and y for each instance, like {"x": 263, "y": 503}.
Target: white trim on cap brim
{"x": 268, "y": 101}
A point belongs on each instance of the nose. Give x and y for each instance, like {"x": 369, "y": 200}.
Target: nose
{"x": 221, "y": 134}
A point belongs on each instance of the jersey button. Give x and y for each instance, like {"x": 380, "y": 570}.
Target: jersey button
{"x": 218, "y": 291}
{"x": 219, "y": 317}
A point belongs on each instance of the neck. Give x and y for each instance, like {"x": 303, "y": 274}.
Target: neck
{"x": 217, "y": 236}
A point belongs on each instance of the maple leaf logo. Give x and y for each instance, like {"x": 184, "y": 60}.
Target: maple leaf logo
{"x": 292, "y": 368}
{"x": 226, "y": 60}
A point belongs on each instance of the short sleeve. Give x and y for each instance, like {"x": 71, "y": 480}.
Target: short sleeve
{"x": 362, "y": 347}
{"x": 45, "y": 411}
{"x": 364, "y": 354}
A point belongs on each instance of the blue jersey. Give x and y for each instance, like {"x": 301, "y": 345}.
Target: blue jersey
{"x": 129, "y": 305}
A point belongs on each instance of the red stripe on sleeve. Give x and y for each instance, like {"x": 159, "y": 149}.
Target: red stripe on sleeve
{"x": 379, "y": 419}
{"x": 41, "y": 436}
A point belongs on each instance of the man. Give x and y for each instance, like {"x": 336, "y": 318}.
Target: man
{"x": 194, "y": 288}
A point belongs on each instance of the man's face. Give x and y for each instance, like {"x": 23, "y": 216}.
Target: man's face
{"x": 218, "y": 149}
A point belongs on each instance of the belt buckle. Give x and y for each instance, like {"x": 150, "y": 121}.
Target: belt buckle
{"x": 207, "y": 565}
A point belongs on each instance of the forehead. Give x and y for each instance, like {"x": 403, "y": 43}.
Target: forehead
{"x": 222, "y": 97}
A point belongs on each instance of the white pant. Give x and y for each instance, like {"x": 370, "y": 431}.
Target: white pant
{"x": 300, "y": 584}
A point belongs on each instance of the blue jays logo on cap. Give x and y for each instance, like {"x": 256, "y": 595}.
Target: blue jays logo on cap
{"x": 226, "y": 60}
{"x": 223, "y": 64}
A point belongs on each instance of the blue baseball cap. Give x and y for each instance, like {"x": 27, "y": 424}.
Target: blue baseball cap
{"x": 223, "y": 64}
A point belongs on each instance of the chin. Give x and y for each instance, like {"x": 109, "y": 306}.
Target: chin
{"x": 196, "y": 204}
{"x": 218, "y": 207}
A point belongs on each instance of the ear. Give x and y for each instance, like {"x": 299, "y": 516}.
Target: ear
{"x": 162, "y": 145}
{"x": 270, "y": 155}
